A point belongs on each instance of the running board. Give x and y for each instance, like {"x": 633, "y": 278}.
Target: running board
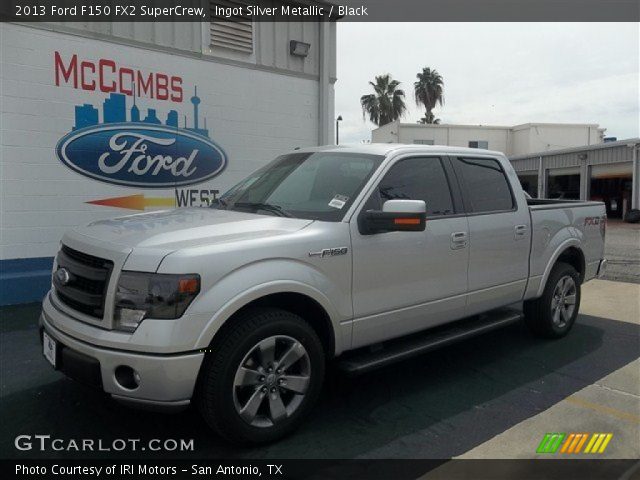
{"x": 366, "y": 358}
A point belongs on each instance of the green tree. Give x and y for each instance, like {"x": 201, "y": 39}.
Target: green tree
{"x": 386, "y": 104}
{"x": 429, "y": 91}
{"x": 430, "y": 119}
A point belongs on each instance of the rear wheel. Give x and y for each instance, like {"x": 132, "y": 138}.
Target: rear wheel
{"x": 554, "y": 313}
{"x": 262, "y": 377}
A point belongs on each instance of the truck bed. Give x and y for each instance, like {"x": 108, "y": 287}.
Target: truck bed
{"x": 545, "y": 203}
{"x": 558, "y": 224}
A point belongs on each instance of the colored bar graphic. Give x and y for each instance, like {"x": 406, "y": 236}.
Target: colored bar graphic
{"x": 594, "y": 437}
{"x": 542, "y": 448}
{"x": 606, "y": 441}
{"x": 136, "y": 202}
{"x": 566, "y": 445}
{"x": 581, "y": 442}
{"x": 572, "y": 443}
{"x": 550, "y": 443}
{"x": 598, "y": 443}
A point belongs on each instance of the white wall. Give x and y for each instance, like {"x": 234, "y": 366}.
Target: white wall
{"x": 386, "y": 133}
{"x": 453, "y": 135}
{"x": 271, "y": 40}
{"x": 518, "y": 140}
{"x": 253, "y": 115}
{"x": 546, "y": 137}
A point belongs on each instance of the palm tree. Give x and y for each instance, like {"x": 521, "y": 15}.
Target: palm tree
{"x": 429, "y": 119}
{"x": 429, "y": 91}
{"x": 386, "y": 104}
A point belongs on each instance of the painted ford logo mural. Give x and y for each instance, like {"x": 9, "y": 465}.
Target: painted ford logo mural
{"x": 141, "y": 153}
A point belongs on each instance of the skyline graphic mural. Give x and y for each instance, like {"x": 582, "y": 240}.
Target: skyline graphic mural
{"x": 114, "y": 110}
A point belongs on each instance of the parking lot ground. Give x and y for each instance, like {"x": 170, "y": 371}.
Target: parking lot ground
{"x": 622, "y": 249}
{"x": 491, "y": 396}
{"x": 609, "y": 405}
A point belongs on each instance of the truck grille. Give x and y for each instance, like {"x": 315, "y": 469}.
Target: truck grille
{"x": 83, "y": 283}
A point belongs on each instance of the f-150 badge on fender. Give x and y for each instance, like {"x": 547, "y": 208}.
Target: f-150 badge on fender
{"x": 330, "y": 252}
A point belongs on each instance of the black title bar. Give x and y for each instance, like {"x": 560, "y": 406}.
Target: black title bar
{"x": 368, "y": 469}
{"x": 314, "y": 10}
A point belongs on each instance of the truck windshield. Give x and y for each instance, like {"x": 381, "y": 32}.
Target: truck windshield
{"x": 312, "y": 185}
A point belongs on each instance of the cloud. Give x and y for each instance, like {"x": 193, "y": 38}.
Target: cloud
{"x": 498, "y": 73}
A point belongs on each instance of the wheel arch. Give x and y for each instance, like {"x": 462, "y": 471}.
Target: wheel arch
{"x": 298, "y": 304}
{"x": 298, "y": 299}
{"x": 568, "y": 252}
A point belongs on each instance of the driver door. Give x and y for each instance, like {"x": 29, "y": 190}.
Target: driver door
{"x": 409, "y": 281}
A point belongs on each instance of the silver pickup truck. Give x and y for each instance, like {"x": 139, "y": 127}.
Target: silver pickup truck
{"x": 361, "y": 256}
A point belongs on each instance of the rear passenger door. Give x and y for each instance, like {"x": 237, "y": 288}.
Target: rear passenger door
{"x": 499, "y": 234}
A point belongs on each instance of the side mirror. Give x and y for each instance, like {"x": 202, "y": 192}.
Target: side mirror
{"x": 396, "y": 216}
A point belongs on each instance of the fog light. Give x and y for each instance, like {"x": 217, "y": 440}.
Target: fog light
{"x": 127, "y": 377}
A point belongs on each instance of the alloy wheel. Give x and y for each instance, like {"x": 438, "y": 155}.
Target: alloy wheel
{"x": 563, "y": 302}
{"x": 271, "y": 381}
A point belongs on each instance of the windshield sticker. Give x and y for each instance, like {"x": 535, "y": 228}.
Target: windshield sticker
{"x": 338, "y": 201}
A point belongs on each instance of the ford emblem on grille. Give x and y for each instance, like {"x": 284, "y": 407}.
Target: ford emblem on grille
{"x": 63, "y": 276}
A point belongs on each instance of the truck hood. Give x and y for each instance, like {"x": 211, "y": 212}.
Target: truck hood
{"x": 169, "y": 230}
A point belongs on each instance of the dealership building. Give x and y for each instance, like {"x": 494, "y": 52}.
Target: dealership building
{"x": 517, "y": 140}
{"x": 553, "y": 160}
{"x": 608, "y": 172}
{"x": 100, "y": 120}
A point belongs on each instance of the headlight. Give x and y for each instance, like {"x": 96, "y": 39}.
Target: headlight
{"x": 152, "y": 295}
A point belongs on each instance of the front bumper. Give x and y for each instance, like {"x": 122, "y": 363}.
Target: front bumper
{"x": 166, "y": 381}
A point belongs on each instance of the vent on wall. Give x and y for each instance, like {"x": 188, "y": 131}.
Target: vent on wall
{"x": 235, "y": 31}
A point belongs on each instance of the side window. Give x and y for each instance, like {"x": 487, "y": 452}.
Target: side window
{"x": 415, "y": 179}
{"x": 484, "y": 184}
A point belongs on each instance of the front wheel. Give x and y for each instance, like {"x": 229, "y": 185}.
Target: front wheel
{"x": 554, "y": 313}
{"x": 262, "y": 377}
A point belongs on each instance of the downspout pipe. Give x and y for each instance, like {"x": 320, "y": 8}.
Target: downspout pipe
{"x": 324, "y": 122}
{"x": 635, "y": 181}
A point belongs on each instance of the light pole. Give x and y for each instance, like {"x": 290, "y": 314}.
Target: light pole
{"x": 338, "y": 120}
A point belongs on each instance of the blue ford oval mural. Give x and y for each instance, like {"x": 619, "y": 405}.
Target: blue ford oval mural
{"x": 140, "y": 153}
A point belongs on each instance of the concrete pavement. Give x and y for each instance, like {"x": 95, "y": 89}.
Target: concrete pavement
{"x": 622, "y": 249}
{"x": 609, "y": 405}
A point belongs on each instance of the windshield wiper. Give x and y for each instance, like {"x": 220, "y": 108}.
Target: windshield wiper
{"x": 219, "y": 202}
{"x": 277, "y": 209}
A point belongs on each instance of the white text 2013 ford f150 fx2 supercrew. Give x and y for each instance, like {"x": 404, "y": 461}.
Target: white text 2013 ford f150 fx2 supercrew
{"x": 320, "y": 255}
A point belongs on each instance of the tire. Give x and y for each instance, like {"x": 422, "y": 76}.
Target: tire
{"x": 259, "y": 403}
{"x": 552, "y": 315}
{"x": 632, "y": 216}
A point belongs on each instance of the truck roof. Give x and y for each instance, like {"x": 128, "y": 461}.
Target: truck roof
{"x": 387, "y": 148}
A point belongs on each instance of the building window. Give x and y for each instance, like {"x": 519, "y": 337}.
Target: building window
{"x": 234, "y": 32}
{"x": 423, "y": 142}
{"x": 483, "y": 144}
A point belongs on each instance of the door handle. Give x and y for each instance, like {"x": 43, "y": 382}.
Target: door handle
{"x": 459, "y": 240}
{"x": 521, "y": 231}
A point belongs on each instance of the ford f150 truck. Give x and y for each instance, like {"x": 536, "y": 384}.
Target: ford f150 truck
{"x": 361, "y": 255}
